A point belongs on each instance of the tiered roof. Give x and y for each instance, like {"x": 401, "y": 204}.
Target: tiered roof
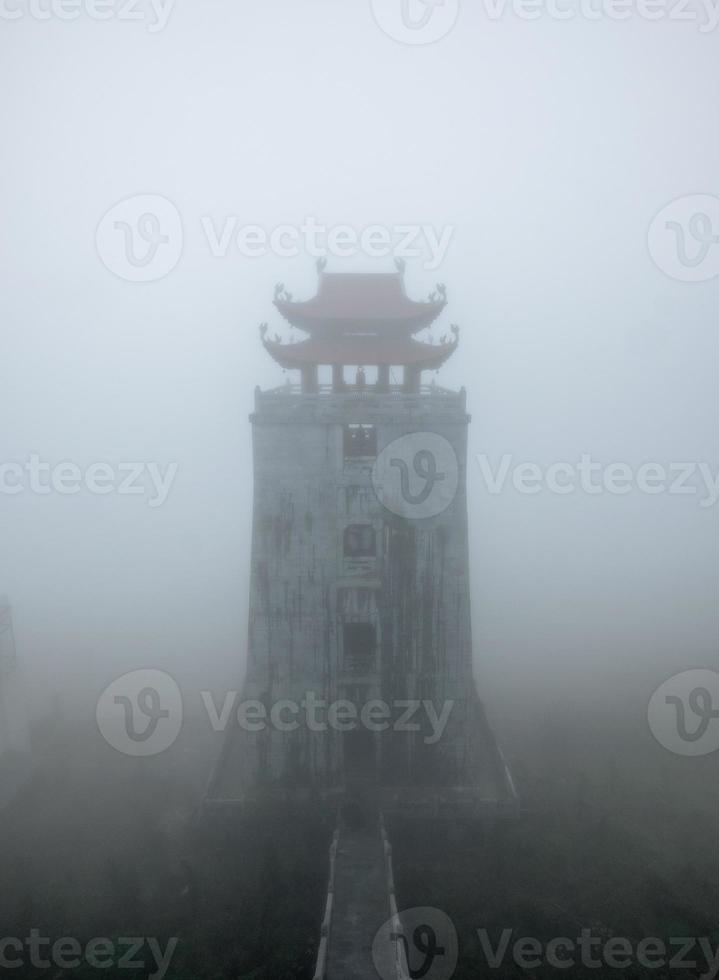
{"x": 363, "y": 319}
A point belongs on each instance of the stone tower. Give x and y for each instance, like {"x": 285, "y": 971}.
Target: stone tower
{"x": 359, "y": 668}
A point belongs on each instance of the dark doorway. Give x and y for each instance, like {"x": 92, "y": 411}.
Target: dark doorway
{"x": 359, "y": 753}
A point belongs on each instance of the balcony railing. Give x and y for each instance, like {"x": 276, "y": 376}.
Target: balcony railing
{"x": 362, "y": 390}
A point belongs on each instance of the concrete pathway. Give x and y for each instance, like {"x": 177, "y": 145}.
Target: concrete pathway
{"x": 361, "y": 907}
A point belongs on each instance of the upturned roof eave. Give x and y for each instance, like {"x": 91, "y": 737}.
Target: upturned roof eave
{"x": 307, "y": 317}
{"x": 310, "y": 352}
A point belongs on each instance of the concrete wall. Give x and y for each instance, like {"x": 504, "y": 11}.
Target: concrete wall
{"x": 414, "y": 590}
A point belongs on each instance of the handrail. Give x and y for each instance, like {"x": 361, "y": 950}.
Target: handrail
{"x": 397, "y": 933}
{"x": 401, "y": 966}
{"x": 326, "y": 928}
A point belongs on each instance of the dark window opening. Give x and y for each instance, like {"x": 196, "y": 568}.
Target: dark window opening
{"x": 359, "y": 541}
{"x": 360, "y": 440}
{"x": 359, "y": 648}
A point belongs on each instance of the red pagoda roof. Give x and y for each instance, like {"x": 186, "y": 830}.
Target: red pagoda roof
{"x": 360, "y": 319}
{"x": 359, "y": 300}
{"x": 362, "y": 349}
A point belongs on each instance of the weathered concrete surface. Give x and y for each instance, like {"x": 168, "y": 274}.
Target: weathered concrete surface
{"x": 414, "y": 591}
{"x": 361, "y": 907}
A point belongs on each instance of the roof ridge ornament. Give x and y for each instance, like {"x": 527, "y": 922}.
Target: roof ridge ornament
{"x": 281, "y": 293}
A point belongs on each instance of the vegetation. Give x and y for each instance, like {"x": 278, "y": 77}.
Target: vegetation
{"x": 617, "y": 836}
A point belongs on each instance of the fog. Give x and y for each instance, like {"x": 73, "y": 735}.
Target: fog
{"x": 171, "y": 169}
{"x": 547, "y": 147}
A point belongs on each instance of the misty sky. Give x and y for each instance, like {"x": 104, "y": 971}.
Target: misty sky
{"x": 548, "y": 147}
